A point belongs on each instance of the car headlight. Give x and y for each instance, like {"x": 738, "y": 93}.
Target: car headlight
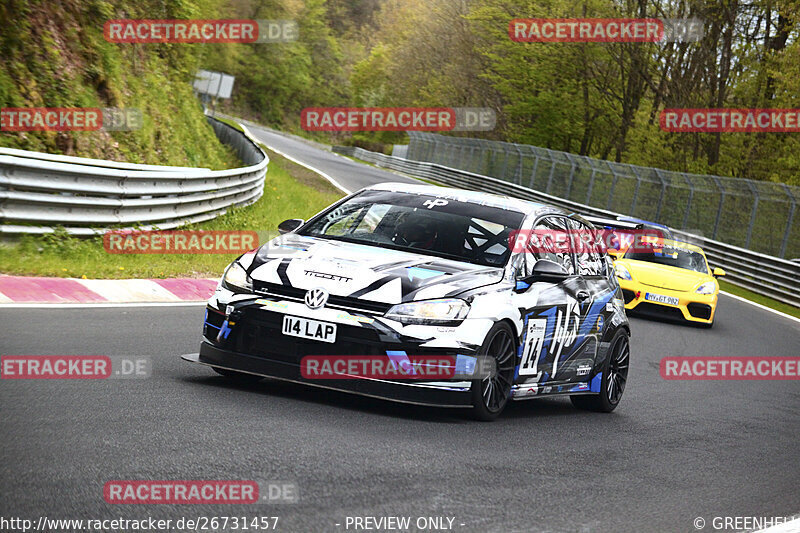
{"x": 709, "y": 287}
{"x": 236, "y": 278}
{"x": 445, "y": 312}
{"x": 621, "y": 272}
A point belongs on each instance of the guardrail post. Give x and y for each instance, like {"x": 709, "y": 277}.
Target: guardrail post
{"x": 490, "y": 165}
{"x": 719, "y": 208}
{"x": 752, "y": 214}
{"x": 789, "y": 221}
{"x": 431, "y": 146}
{"x": 591, "y": 186}
{"x": 535, "y": 168}
{"x": 471, "y": 157}
{"x": 552, "y": 172}
{"x": 505, "y": 164}
{"x": 571, "y": 175}
{"x": 411, "y": 153}
{"x": 632, "y": 210}
{"x": 689, "y": 202}
{"x": 613, "y": 185}
{"x": 660, "y": 196}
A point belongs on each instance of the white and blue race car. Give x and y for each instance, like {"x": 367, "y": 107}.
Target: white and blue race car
{"x": 399, "y": 270}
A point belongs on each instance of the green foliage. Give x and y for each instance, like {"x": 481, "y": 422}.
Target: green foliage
{"x": 53, "y": 54}
{"x": 596, "y": 99}
{"x": 275, "y": 81}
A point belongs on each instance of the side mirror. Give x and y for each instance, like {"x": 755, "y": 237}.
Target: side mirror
{"x": 717, "y": 272}
{"x": 545, "y": 270}
{"x": 290, "y": 225}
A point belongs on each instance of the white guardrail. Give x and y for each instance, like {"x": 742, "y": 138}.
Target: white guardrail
{"x": 86, "y": 196}
{"x": 763, "y": 274}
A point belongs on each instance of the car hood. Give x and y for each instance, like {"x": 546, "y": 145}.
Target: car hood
{"x": 365, "y": 272}
{"x": 664, "y": 276}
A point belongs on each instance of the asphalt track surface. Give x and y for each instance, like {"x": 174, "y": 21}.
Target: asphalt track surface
{"x": 348, "y": 173}
{"x": 673, "y": 451}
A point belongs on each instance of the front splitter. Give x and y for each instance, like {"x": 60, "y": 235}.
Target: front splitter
{"x": 438, "y": 394}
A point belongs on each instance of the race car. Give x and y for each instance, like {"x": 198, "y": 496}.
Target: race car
{"x": 669, "y": 280}
{"x": 661, "y": 229}
{"x": 617, "y": 234}
{"x": 399, "y": 271}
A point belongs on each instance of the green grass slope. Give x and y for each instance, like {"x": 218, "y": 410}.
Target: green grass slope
{"x": 53, "y": 54}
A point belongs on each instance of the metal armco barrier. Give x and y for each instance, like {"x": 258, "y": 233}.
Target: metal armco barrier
{"x": 86, "y": 196}
{"x": 763, "y": 274}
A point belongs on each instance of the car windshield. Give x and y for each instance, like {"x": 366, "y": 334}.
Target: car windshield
{"x": 432, "y": 225}
{"x": 663, "y": 233}
{"x": 674, "y": 256}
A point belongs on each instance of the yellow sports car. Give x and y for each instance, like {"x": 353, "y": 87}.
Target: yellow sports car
{"x": 669, "y": 279}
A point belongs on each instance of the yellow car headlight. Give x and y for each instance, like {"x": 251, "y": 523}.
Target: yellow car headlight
{"x": 621, "y": 272}
{"x": 709, "y": 287}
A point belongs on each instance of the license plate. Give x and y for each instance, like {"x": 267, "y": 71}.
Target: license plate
{"x": 309, "y": 329}
{"x": 660, "y": 298}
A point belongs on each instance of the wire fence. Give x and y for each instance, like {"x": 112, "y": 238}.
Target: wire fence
{"x": 755, "y": 215}
{"x": 764, "y": 274}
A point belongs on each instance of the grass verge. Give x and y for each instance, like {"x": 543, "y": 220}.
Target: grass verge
{"x": 759, "y": 299}
{"x": 291, "y": 191}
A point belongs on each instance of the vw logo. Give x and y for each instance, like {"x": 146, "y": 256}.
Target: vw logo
{"x": 316, "y": 298}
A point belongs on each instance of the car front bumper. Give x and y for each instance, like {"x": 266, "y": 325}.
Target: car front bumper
{"x": 434, "y": 394}
{"x": 692, "y": 306}
{"x": 246, "y": 336}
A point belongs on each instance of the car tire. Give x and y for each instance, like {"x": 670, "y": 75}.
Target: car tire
{"x": 615, "y": 368}
{"x": 491, "y": 395}
{"x": 238, "y": 377}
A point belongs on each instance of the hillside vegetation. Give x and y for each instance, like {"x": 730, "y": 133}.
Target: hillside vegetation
{"x": 596, "y": 99}
{"x": 53, "y": 54}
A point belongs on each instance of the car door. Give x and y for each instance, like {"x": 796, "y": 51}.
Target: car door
{"x": 552, "y": 325}
{"x": 596, "y": 292}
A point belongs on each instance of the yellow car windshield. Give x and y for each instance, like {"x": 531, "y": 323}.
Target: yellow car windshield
{"x": 670, "y": 256}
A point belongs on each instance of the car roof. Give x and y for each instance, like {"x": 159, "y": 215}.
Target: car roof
{"x": 476, "y": 197}
{"x": 612, "y": 222}
{"x": 626, "y": 218}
